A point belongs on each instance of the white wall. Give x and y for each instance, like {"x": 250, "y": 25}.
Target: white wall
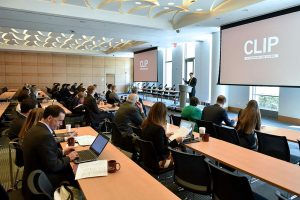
{"x": 177, "y": 63}
{"x": 238, "y": 96}
{"x": 203, "y": 69}
{"x": 289, "y": 105}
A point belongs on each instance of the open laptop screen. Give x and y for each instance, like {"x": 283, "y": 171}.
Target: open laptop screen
{"x": 187, "y": 124}
{"x": 99, "y": 144}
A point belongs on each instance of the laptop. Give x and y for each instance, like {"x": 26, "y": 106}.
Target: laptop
{"x": 94, "y": 151}
{"x": 188, "y": 125}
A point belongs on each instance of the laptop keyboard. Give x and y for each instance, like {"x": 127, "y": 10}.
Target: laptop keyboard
{"x": 86, "y": 155}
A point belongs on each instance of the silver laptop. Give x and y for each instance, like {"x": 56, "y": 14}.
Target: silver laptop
{"x": 94, "y": 151}
{"x": 187, "y": 124}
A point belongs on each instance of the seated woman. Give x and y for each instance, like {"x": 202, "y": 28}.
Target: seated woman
{"x": 249, "y": 119}
{"x": 34, "y": 116}
{"x": 153, "y": 129}
{"x": 191, "y": 112}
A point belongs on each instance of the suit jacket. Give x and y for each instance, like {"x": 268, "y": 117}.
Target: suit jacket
{"x": 127, "y": 114}
{"x": 107, "y": 94}
{"x": 92, "y": 107}
{"x": 113, "y": 98}
{"x": 16, "y": 126}
{"x": 41, "y": 152}
{"x": 216, "y": 114}
{"x": 192, "y": 82}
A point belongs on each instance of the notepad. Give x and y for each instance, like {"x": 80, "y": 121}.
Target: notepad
{"x": 91, "y": 169}
{"x": 85, "y": 140}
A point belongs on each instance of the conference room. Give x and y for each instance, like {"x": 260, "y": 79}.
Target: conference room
{"x": 174, "y": 99}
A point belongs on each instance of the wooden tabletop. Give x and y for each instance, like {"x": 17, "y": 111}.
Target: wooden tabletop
{"x": 291, "y": 135}
{"x": 3, "y": 106}
{"x": 12, "y": 90}
{"x": 130, "y": 183}
{"x": 108, "y": 107}
{"x": 51, "y": 102}
{"x": 148, "y": 103}
{"x": 279, "y": 173}
{"x": 7, "y": 95}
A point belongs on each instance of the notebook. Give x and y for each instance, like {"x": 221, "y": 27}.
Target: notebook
{"x": 94, "y": 151}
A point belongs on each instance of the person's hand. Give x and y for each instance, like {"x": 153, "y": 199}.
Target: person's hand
{"x": 68, "y": 150}
{"x": 139, "y": 105}
{"x": 169, "y": 134}
{"x": 73, "y": 155}
{"x": 179, "y": 140}
{"x": 183, "y": 79}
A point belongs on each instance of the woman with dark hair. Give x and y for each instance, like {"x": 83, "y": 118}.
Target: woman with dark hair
{"x": 192, "y": 112}
{"x": 249, "y": 119}
{"x": 153, "y": 129}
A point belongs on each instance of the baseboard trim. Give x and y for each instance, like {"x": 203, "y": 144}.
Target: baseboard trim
{"x": 291, "y": 120}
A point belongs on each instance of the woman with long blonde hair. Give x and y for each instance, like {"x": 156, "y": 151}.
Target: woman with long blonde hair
{"x": 34, "y": 116}
{"x": 249, "y": 120}
{"x": 153, "y": 129}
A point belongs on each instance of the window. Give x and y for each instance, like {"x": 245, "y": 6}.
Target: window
{"x": 267, "y": 97}
{"x": 168, "y": 67}
{"x": 190, "y": 50}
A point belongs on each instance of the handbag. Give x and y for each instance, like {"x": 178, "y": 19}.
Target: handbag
{"x": 65, "y": 192}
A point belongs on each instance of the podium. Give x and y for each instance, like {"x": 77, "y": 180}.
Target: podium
{"x": 183, "y": 89}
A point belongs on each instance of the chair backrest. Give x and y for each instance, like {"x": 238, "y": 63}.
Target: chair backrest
{"x": 228, "y": 185}
{"x": 39, "y": 184}
{"x": 17, "y": 146}
{"x": 191, "y": 172}
{"x": 116, "y": 135}
{"x": 228, "y": 134}
{"x": 209, "y": 127}
{"x": 3, "y": 193}
{"x": 148, "y": 157}
{"x": 175, "y": 119}
{"x": 273, "y": 145}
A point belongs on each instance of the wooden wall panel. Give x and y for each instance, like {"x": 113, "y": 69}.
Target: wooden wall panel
{"x": 42, "y": 69}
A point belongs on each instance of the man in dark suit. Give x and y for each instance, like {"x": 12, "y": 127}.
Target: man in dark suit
{"x": 41, "y": 151}
{"x": 130, "y": 114}
{"x": 191, "y": 82}
{"x": 26, "y": 106}
{"x": 95, "y": 114}
{"x": 108, "y": 91}
{"x": 216, "y": 113}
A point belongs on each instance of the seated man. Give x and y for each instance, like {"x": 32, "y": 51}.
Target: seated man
{"x": 95, "y": 114}
{"x": 192, "y": 112}
{"x": 113, "y": 96}
{"x": 130, "y": 114}
{"x": 26, "y": 106}
{"x": 77, "y": 106}
{"x": 216, "y": 113}
{"x": 134, "y": 90}
{"x": 108, "y": 91}
{"x": 41, "y": 151}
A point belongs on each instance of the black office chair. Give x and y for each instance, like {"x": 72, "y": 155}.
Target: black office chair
{"x": 209, "y": 127}
{"x": 39, "y": 185}
{"x": 124, "y": 142}
{"x": 230, "y": 186}
{"x": 15, "y": 145}
{"x": 227, "y": 134}
{"x": 148, "y": 159}
{"x": 195, "y": 175}
{"x": 3, "y": 193}
{"x": 175, "y": 119}
{"x": 273, "y": 145}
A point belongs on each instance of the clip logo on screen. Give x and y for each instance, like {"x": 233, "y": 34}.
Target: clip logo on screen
{"x": 144, "y": 64}
{"x": 253, "y": 52}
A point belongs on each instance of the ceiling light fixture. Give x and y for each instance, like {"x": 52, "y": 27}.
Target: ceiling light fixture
{"x": 138, "y": 3}
{"x": 166, "y": 8}
{"x": 171, "y": 3}
{"x": 199, "y": 9}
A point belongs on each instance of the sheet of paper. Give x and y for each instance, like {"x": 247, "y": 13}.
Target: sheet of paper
{"x": 91, "y": 169}
{"x": 181, "y": 132}
{"x": 85, "y": 140}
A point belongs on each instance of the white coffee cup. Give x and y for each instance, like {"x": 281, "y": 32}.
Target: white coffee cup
{"x": 68, "y": 128}
{"x": 202, "y": 130}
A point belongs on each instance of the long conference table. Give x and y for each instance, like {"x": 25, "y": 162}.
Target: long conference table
{"x": 7, "y": 95}
{"x": 276, "y": 172}
{"x": 54, "y": 102}
{"x": 129, "y": 183}
{"x": 291, "y": 135}
{"x": 3, "y": 106}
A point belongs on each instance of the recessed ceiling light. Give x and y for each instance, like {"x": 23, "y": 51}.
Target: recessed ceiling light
{"x": 245, "y": 10}
{"x": 138, "y": 3}
{"x": 218, "y": 18}
{"x": 199, "y": 9}
{"x": 171, "y": 3}
{"x": 166, "y": 8}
